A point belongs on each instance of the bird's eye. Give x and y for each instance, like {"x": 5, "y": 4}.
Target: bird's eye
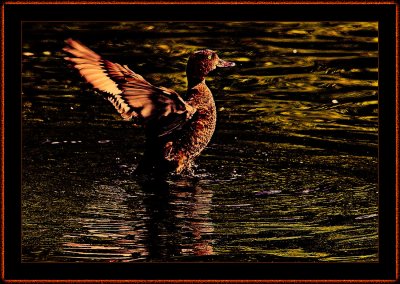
{"x": 209, "y": 57}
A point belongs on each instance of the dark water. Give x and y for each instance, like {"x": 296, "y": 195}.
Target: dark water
{"x": 290, "y": 174}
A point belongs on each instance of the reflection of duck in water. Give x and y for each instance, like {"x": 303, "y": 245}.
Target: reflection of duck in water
{"x": 177, "y": 128}
{"x": 176, "y": 223}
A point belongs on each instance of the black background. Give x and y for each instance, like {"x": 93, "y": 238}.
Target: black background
{"x": 385, "y": 14}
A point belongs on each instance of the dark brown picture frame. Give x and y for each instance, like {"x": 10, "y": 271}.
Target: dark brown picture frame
{"x": 385, "y": 271}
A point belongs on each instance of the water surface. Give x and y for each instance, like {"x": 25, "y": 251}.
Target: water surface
{"x": 290, "y": 174}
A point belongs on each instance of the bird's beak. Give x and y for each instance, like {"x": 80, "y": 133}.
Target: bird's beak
{"x": 223, "y": 63}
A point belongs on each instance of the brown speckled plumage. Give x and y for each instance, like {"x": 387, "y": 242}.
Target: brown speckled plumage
{"x": 198, "y": 131}
{"x": 177, "y": 129}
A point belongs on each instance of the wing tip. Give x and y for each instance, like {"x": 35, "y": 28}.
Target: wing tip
{"x": 71, "y": 41}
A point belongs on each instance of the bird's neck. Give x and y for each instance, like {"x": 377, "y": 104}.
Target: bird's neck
{"x": 194, "y": 81}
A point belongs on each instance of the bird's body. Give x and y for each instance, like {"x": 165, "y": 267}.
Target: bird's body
{"x": 177, "y": 129}
{"x": 197, "y": 133}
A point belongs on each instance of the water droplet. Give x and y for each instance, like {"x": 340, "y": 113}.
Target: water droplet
{"x": 335, "y": 101}
{"x": 103, "y": 141}
{"x": 294, "y": 51}
{"x": 46, "y": 53}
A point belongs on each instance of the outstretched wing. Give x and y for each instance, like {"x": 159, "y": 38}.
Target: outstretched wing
{"x": 132, "y": 96}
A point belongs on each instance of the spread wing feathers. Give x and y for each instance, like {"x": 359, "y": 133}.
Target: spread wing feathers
{"x": 130, "y": 93}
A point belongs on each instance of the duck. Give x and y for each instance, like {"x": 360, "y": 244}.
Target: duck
{"x": 177, "y": 127}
